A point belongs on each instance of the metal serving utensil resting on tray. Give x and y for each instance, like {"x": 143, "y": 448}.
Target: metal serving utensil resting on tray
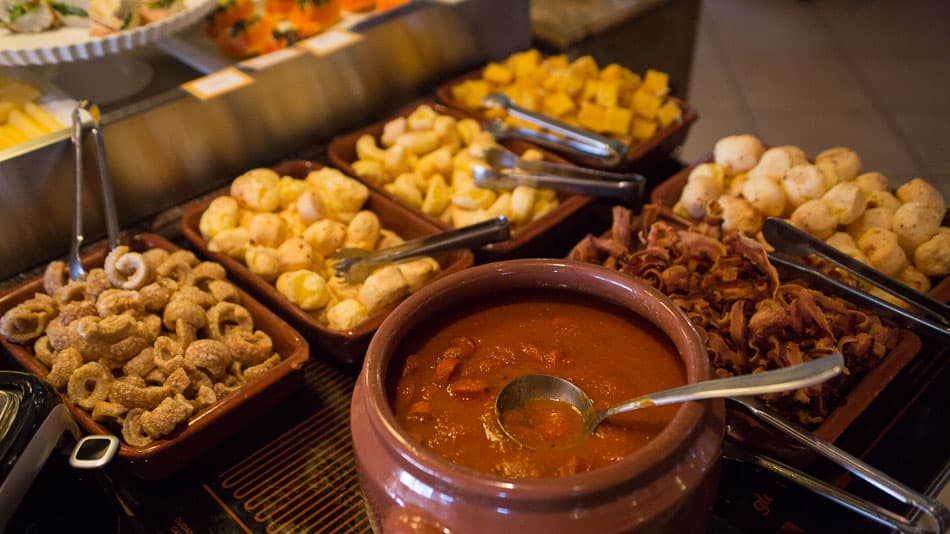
{"x": 84, "y": 119}
{"x": 790, "y": 242}
{"x": 938, "y": 514}
{"x": 568, "y": 139}
{"x": 507, "y": 171}
{"x": 355, "y": 264}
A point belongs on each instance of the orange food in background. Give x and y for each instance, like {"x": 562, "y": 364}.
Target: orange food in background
{"x": 359, "y": 5}
{"x": 383, "y": 5}
{"x": 242, "y": 30}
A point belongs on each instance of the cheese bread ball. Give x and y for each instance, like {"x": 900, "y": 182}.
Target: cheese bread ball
{"x": 871, "y": 218}
{"x": 846, "y": 201}
{"x": 881, "y": 199}
{"x": 340, "y": 194}
{"x": 304, "y": 288}
{"x": 933, "y": 256}
{"x": 815, "y": 218}
{"x": 737, "y": 215}
{"x": 915, "y": 223}
{"x": 232, "y": 242}
{"x": 803, "y": 183}
{"x": 918, "y": 190}
{"x": 872, "y": 181}
{"x": 776, "y": 161}
{"x": 883, "y": 250}
{"x": 257, "y": 189}
{"x": 738, "y": 153}
{"x": 222, "y": 214}
{"x": 765, "y": 195}
{"x": 912, "y": 277}
{"x": 838, "y": 164}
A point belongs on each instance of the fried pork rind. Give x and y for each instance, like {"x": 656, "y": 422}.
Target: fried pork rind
{"x": 126, "y": 269}
{"x": 55, "y": 276}
{"x": 248, "y": 348}
{"x": 256, "y": 371}
{"x": 89, "y": 384}
{"x": 133, "y": 357}
{"x": 751, "y": 321}
{"x": 225, "y": 316}
{"x": 67, "y": 361}
{"x": 27, "y": 321}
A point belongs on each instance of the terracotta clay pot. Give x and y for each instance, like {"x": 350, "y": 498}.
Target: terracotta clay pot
{"x": 667, "y": 486}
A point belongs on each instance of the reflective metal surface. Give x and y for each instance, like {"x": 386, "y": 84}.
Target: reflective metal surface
{"x": 169, "y": 147}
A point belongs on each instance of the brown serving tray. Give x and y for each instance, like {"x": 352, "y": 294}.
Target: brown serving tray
{"x": 210, "y": 427}
{"x": 744, "y": 428}
{"x": 641, "y": 157}
{"x": 349, "y": 346}
{"x": 536, "y": 239}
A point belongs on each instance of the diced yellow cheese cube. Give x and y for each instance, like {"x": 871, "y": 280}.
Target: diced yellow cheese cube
{"x": 571, "y": 85}
{"x": 470, "y": 93}
{"x": 528, "y": 98}
{"x": 632, "y": 80}
{"x": 558, "y": 104}
{"x": 570, "y": 119}
{"x": 608, "y": 93}
{"x": 642, "y": 129}
{"x": 617, "y": 120}
{"x": 557, "y": 62}
{"x": 612, "y": 72}
{"x": 591, "y": 116}
{"x": 497, "y": 74}
{"x": 523, "y": 63}
{"x": 646, "y": 104}
{"x": 590, "y": 90}
{"x": 668, "y": 113}
{"x": 656, "y": 82}
{"x": 584, "y": 67}
{"x": 552, "y": 82}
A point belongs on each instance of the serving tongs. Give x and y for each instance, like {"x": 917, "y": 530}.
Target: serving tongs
{"x": 938, "y": 514}
{"x": 564, "y": 137}
{"x": 506, "y": 170}
{"x": 355, "y": 264}
{"x": 790, "y": 242}
{"x": 85, "y": 117}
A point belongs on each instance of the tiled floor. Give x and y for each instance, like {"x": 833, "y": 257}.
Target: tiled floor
{"x": 870, "y": 74}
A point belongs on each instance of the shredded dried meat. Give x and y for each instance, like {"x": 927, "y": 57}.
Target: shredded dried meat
{"x": 750, "y": 319}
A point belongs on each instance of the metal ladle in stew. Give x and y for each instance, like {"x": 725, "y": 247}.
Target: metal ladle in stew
{"x": 527, "y": 402}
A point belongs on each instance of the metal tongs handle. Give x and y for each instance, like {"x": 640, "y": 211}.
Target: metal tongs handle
{"x": 589, "y": 143}
{"x": 930, "y": 507}
{"x": 83, "y": 119}
{"x": 355, "y": 268}
{"x": 790, "y": 240}
{"x": 510, "y": 178}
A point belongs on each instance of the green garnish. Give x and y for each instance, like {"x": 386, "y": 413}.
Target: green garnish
{"x": 67, "y": 10}
{"x": 127, "y": 22}
{"x": 19, "y": 9}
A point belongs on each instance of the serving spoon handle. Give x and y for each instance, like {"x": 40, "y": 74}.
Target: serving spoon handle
{"x": 786, "y": 379}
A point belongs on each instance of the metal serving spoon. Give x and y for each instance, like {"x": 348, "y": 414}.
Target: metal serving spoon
{"x": 522, "y": 390}
{"x": 355, "y": 264}
{"x": 628, "y": 192}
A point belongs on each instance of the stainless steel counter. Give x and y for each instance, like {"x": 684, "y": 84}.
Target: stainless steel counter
{"x": 166, "y": 146}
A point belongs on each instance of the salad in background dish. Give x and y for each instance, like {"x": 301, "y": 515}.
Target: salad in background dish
{"x": 102, "y": 17}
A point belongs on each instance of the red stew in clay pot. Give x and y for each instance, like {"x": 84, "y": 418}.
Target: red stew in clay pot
{"x": 432, "y": 457}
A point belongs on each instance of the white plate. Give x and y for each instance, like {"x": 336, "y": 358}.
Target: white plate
{"x": 68, "y": 44}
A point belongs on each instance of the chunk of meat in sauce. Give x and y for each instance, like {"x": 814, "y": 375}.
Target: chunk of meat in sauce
{"x": 444, "y": 369}
{"x": 468, "y": 388}
{"x": 548, "y": 357}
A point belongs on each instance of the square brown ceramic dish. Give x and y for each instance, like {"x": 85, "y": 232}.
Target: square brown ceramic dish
{"x": 346, "y": 346}
{"x": 746, "y": 429}
{"x": 641, "y": 157}
{"x": 538, "y": 238}
{"x": 207, "y": 428}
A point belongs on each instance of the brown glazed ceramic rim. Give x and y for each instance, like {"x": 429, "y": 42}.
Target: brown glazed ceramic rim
{"x": 636, "y": 152}
{"x": 561, "y": 275}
